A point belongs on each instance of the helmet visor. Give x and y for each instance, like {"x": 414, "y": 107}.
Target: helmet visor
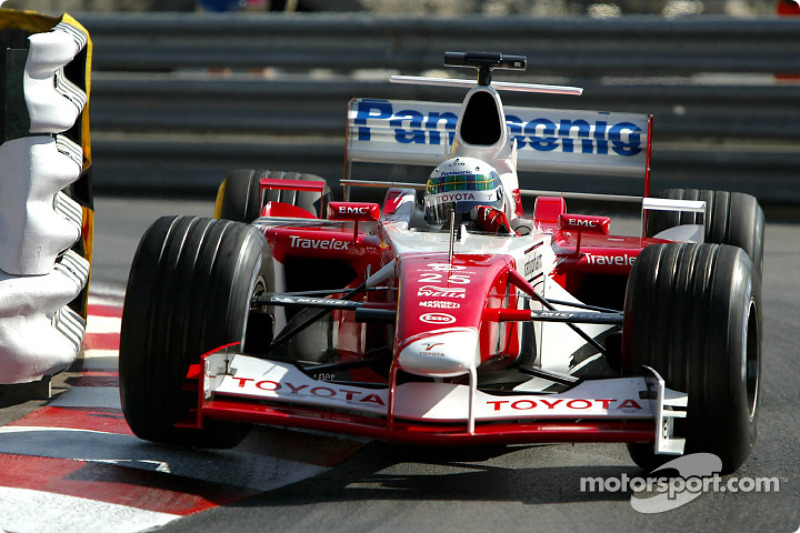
{"x": 459, "y": 192}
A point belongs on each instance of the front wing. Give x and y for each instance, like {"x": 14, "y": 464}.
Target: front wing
{"x": 233, "y": 386}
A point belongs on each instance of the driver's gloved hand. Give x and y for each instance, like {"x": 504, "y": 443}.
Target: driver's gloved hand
{"x": 490, "y": 220}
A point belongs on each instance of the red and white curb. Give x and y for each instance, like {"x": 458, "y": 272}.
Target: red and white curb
{"x": 75, "y": 466}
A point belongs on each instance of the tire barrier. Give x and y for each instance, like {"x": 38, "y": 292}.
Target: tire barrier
{"x": 45, "y": 195}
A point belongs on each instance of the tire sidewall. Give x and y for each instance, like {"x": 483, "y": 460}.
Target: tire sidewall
{"x": 734, "y": 436}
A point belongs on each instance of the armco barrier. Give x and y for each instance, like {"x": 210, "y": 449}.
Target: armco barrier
{"x": 570, "y": 47}
{"x": 165, "y": 117}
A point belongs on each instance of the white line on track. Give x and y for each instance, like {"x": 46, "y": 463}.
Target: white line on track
{"x": 103, "y": 324}
{"x": 33, "y": 511}
{"x": 101, "y": 360}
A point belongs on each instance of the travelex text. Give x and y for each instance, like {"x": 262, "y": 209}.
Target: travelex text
{"x": 590, "y": 135}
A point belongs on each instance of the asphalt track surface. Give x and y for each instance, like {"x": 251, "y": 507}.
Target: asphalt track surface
{"x": 281, "y": 481}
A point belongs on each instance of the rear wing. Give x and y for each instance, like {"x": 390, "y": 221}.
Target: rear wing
{"x": 548, "y": 140}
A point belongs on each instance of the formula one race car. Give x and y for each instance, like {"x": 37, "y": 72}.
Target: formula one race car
{"x": 452, "y": 313}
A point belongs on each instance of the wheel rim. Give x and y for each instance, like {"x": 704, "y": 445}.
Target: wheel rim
{"x": 751, "y": 360}
{"x": 253, "y": 293}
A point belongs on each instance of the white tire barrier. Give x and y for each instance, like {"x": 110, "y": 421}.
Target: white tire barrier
{"x": 32, "y": 232}
{"x": 41, "y": 272}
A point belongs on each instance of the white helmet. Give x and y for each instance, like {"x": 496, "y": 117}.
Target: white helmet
{"x": 460, "y": 184}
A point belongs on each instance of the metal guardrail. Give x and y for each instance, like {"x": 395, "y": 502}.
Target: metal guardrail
{"x": 317, "y": 107}
{"x": 163, "y": 116}
{"x": 571, "y": 47}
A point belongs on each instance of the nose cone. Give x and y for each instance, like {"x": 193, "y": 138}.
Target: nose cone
{"x": 441, "y": 353}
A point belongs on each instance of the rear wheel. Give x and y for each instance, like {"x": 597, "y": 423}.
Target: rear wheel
{"x": 189, "y": 291}
{"x": 692, "y": 313}
{"x": 239, "y": 195}
{"x": 733, "y": 218}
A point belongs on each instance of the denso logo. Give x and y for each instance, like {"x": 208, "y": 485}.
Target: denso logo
{"x": 315, "y": 244}
{"x": 540, "y": 134}
{"x": 437, "y": 318}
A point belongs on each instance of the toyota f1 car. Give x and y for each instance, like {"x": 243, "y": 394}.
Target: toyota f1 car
{"x": 454, "y": 313}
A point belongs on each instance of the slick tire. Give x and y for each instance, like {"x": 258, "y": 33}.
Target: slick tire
{"x": 733, "y": 218}
{"x": 189, "y": 291}
{"x": 692, "y": 313}
{"x": 239, "y": 196}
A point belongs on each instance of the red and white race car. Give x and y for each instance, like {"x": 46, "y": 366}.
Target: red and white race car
{"x": 455, "y": 312}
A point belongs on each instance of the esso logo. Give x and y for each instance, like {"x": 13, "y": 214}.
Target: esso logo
{"x": 437, "y": 318}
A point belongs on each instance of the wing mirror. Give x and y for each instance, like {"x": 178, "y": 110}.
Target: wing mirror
{"x": 355, "y": 211}
{"x": 581, "y": 224}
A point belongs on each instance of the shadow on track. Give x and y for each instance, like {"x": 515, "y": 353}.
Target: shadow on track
{"x": 381, "y": 471}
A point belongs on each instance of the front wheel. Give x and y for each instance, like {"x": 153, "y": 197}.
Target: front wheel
{"x": 692, "y": 313}
{"x": 189, "y": 291}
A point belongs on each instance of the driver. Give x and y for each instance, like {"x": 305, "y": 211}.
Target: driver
{"x": 471, "y": 189}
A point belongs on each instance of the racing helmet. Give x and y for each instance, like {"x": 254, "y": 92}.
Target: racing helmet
{"x": 457, "y": 186}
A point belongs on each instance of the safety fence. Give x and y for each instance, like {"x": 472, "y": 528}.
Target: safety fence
{"x": 180, "y": 99}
